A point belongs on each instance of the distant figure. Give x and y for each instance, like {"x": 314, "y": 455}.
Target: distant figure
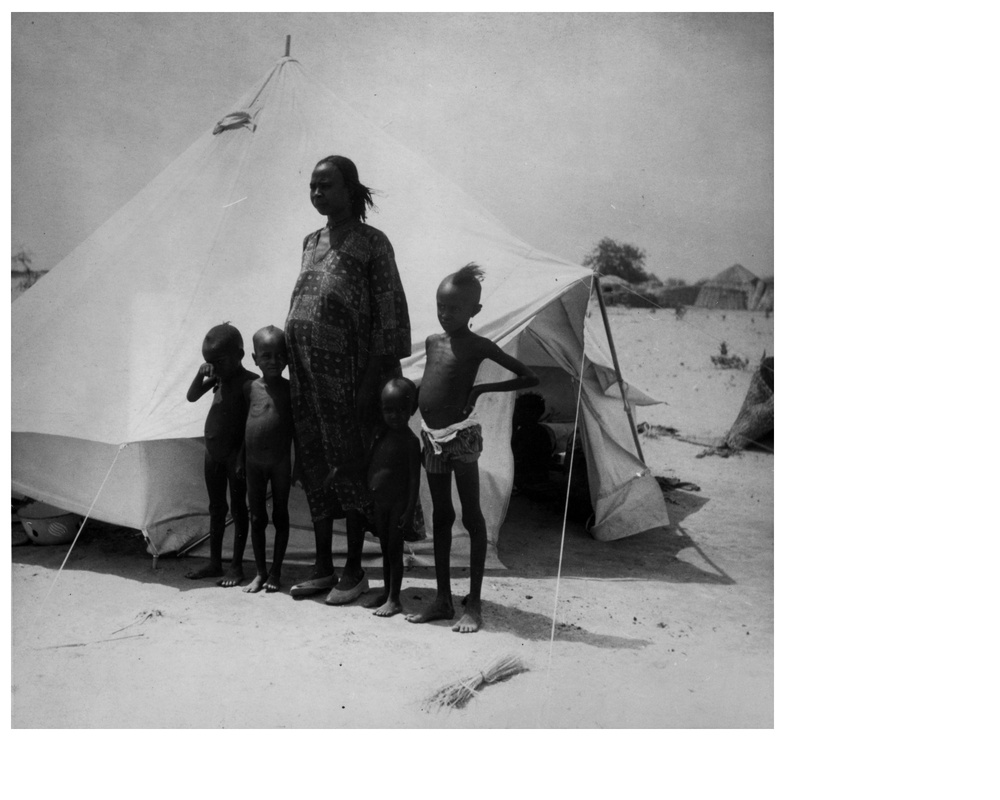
{"x": 225, "y": 424}
{"x": 268, "y": 454}
{"x": 347, "y": 327}
{"x": 394, "y": 479}
{"x": 453, "y": 439}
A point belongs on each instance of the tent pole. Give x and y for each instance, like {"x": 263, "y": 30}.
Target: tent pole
{"x": 596, "y": 287}
{"x": 288, "y": 45}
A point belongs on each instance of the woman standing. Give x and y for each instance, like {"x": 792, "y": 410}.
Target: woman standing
{"x": 347, "y": 328}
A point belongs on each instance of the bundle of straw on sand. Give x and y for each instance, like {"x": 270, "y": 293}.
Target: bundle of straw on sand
{"x": 457, "y": 694}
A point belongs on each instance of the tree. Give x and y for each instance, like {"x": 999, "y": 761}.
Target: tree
{"x": 615, "y": 258}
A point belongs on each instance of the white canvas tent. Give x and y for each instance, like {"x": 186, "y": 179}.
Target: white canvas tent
{"x": 105, "y": 347}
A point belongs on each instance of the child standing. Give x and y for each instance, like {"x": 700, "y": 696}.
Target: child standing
{"x": 453, "y": 440}
{"x": 224, "y": 374}
{"x": 268, "y": 454}
{"x": 394, "y": 478}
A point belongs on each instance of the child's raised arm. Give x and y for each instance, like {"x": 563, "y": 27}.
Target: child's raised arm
{"x": 203, "y": 381}
{"x": 525, "y": 377}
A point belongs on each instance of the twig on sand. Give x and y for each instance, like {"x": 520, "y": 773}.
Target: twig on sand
{"x": 98, "y": 641}
{"x": 142, "y": 616}
{"x": 457, "y": 694}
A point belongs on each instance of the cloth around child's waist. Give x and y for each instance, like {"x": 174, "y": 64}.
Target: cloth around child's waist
{"x": 437, "y": 436}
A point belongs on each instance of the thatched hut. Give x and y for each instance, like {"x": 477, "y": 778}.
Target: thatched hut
{"x": 736, "y": 288}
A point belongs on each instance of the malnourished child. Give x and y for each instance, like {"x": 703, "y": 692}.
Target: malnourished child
{"x": 223, "y": 373}
{"x": 268, "y": 454}
{"x": 394, "y": 479}
{"x": 453, "y": 439}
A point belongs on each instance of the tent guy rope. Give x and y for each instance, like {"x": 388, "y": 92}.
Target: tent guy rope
{"x": 562, "y": 535}
{"x": 41, "y": 606}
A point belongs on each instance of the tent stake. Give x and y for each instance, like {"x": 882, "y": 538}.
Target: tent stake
{"x": 596, "y": 287}
{"x": 288, "y": 45}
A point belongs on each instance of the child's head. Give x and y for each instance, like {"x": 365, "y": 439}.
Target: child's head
{"x": 398, "y": 402}
{"x": 269, "y": 352}
{"x": 458, "y": 298}
{"x": 528, "y": 409}
{"x": 223, "y": 349}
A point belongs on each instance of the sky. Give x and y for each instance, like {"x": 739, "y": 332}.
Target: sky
{"x": 653, "y": 129}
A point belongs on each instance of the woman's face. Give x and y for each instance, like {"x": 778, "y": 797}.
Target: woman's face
{"x": 328, "y": 193}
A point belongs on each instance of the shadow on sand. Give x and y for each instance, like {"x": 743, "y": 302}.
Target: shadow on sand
{"x": 524, "y": 624}
{"x": 115, "y": 550}
{"x": 529, "y": 547}
{"x": 538, "y": 627}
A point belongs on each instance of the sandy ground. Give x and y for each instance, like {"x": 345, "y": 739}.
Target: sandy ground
{"x": 671, "y": 628}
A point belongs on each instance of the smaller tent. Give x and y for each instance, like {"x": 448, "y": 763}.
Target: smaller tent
{"x": 754, "y": 425}
{"x": 736, "y": 288}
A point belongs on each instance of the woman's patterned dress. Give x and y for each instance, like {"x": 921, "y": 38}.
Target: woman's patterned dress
{"x": 346, "y": 308}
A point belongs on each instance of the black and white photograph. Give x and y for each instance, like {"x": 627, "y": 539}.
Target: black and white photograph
{"x": 392, "y": 370}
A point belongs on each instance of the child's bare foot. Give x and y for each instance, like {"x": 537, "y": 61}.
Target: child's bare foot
{"x": 388, "y": 609}
{"x": 209, "y": 571}
{"x": 273, "y": 582}
{"x": 233, "y": 577}
{"x": 472, "y": 620}
{"x": 439, "y": 609}
{"x": 255, "y": 585}
{"x": 375, "y": 602}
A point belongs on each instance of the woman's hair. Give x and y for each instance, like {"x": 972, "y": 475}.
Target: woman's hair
{"x": 361, "y": 195}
